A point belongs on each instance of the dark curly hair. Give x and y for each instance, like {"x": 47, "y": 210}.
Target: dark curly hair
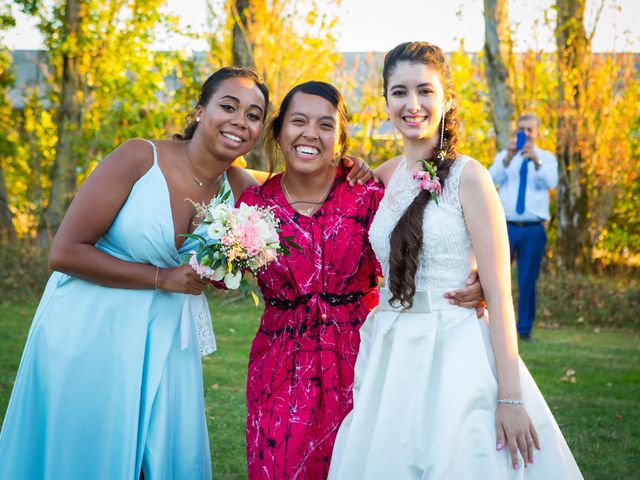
{"x": 406, "y": 237}
{"x": 210, "y": 86}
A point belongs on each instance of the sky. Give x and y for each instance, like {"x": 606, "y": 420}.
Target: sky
{"x": 379, "y": 25}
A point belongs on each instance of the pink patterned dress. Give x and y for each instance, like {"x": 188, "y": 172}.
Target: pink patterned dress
{"x": 301, "y": 362}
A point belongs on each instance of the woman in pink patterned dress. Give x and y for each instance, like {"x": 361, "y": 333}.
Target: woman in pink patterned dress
{"x": 301, "y": 362}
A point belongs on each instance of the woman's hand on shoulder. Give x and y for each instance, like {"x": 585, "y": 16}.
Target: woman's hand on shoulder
{"x": 359, "y": 172}
{"x": 515, "y": 430}
{"x": 384, "y": 172}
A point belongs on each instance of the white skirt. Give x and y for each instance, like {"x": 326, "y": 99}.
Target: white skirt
{"x": 425, "y": 396}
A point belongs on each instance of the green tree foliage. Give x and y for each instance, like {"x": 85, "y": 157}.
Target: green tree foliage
{"x": 7, "y": 229}
{"x": 361, "y": 84}
{"x": 290, "y": 41}
{"x": 123, "y": 90}
{"x": 597, "y": 144}
{"x": 477, "y": 137}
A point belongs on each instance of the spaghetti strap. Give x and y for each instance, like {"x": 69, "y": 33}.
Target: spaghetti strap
{"x": 155, "y": 151}
{"x": 227, "y": 186}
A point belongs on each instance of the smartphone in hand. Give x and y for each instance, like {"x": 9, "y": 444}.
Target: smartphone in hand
{"x": 521, "y": 139}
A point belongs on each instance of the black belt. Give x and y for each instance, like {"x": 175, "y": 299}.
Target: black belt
{"x": 525, "y": 224}
{"x": 332, "y": 299}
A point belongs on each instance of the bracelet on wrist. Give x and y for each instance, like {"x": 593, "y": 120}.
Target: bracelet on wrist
{"x": 157, "y": 270}
{"x": 509, "y": 401}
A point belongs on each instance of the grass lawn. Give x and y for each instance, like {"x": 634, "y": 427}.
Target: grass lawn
{"x": 597, "y": 410}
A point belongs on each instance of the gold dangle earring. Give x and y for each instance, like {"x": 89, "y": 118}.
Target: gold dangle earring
{"x": 442, "y": 154}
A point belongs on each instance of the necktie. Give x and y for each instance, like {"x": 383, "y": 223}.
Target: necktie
{"x": 522, "y": 187}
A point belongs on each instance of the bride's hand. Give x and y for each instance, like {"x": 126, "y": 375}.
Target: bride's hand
{"x": 514, "y": 427}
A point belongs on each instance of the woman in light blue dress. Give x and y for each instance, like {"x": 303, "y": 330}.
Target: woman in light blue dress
{"x": 110, "y": 381}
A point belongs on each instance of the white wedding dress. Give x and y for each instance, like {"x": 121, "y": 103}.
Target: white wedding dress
{"x": 425, "y": 391}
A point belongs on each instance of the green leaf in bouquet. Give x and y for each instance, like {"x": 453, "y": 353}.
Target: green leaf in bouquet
{"x": 218, "y": 263}
{"x": 194, "y": 236}
{"x": 244, "y": 287}
{"x": 223, "y": 194}
{"x": 247, "y": 290}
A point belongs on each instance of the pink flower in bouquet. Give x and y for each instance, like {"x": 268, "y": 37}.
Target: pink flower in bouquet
{"x": 227, "y": 240}
{"x": 247, "y": 235}
{"x": 202, "y": 270}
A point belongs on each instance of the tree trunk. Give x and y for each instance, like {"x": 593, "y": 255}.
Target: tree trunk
{"x": 242, "y": 57}
{"x": 496, "y": 25}
{"x": 7, "y": 230}
{"x": 240, "y": 41}
{"x": 63, "y": 173}
{"x": 573, "y": 249}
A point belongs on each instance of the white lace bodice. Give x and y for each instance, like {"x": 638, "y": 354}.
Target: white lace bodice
{"x": 446, "y": 257}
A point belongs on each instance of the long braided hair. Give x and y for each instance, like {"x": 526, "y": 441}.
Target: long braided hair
{"x": 406, "y": 237}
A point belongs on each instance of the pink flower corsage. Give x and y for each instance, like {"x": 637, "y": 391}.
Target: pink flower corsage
{"x": 428, "y": 180}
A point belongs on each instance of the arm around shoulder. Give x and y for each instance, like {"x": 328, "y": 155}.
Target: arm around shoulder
{"x": 386, "y": 169}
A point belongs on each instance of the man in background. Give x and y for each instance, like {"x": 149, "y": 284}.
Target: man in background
{"x": 524, "y": 174}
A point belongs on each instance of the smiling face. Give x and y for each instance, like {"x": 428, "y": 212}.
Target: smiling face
{"x": 309, "y": 135}
{"x": 415, "y": 100}
{"x": 233, "y": 118}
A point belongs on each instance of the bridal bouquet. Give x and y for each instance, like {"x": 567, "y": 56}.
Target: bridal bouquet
{"x": 237, "y": 239}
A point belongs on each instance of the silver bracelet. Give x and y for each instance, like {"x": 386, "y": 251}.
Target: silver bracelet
{"x": 509, "y": 401}
{"x": 157, "y": 270}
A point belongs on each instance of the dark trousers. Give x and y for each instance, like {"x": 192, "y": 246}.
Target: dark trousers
{"x": 527, "y": 249}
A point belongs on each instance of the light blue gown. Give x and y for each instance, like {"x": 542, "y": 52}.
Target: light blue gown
{"x": 108, "y": 384}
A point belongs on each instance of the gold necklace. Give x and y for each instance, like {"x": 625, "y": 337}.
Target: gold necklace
{"x": 307, "y": 212}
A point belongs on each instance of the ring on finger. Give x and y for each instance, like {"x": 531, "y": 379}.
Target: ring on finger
{"x": 529, "y": 440}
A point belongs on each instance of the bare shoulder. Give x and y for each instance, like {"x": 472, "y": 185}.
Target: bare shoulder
{"x": 476, "y": 184}
{"x": 473, "y": 173}
{"x": 240, "y": 180}
{"x": 385, "y": 170}
{"x": 127, "y": 163}
{"x": 131, "y": 159}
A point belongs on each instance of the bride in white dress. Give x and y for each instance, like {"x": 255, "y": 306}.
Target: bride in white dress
{"x": 439, "y": 393}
